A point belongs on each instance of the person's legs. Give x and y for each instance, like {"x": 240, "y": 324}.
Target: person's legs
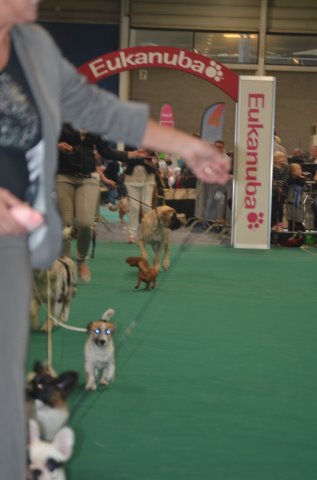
{"x": 314, "y": 207}
{"x": 112, "y": 196}
{"x": 274, "y": 211}
{"x": 86, "y": 198}
{"x": 134, "y": 194}
{"x": 146, "y": 197}
{"x": 66, "y": 187}
{"x": 281, "y": 211}
{"x": 15, "y": 292}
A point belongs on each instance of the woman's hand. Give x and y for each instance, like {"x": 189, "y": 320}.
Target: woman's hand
{"x": 65, "y": 147}
{"x": 108, "y": 182}
{"x": 140, "y": 153}
{"x": 16, "y": 218}
{"x": 105, "y": 180}
{"x": 206, "y": 162}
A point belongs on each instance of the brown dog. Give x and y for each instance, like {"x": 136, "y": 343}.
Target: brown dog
{"x": 146, "y": 274}
{"x": 155, "y": 230}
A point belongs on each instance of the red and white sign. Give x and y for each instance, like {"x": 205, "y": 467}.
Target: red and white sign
{"x": 167, "y": 115}
{"x": 253, "y": 163}
{"x": 162, "y": 57}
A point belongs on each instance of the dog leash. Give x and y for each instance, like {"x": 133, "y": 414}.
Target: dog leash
{"x": 49, "y": 332}
{"x": 147, "y": 205}
{"x": 47, "y": 309}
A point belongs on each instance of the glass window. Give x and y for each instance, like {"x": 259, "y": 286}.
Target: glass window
{"x": 228, "y": 47}
{"x": 165, "y": 38}
{"x": 291, "y": 50}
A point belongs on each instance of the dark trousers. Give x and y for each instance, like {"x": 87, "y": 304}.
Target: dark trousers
{"x": 277, "y": 209}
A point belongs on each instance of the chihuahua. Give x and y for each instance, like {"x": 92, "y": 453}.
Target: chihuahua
{"x": 46, "y": 398}
{"x": 146, "y": 274}
{"x": 99, "y": 351}
{"x": 46, "y": 459}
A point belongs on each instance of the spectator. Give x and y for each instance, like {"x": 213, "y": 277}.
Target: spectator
{"x": 297, "y": 157}
{"x": 140, "y": 182}
{"x": 295, "y": 208}
{"x": 312, "y": 154}
{"x": 279, "y": 187}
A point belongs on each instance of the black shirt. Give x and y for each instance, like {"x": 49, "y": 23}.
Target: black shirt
{"x": 19, "y": 131}
{"x": 81, "y": 160}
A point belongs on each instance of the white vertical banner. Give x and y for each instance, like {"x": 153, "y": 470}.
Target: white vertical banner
{"x": 253, "y": 163}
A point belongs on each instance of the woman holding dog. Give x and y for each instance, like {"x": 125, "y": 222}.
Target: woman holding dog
{"x": 78, "y": 187}
{"x": 39, "y": 91}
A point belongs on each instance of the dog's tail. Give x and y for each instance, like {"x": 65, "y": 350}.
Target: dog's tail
{"x": 107, "y": 315}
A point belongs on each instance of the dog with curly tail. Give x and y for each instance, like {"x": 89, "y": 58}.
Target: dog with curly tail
{"x": 146, "y": 274}
{"x": 100, "y": 352}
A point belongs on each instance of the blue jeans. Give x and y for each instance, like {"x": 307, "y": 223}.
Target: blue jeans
{"x": 112, "y": 196}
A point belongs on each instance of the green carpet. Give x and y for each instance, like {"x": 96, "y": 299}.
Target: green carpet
{"x": 215, "y": 368}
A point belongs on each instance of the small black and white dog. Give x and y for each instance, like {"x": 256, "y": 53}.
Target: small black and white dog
{"x": 47, "y": 399}
{"x": 99, "y": 351}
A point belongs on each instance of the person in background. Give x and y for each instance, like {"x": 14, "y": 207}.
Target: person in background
{"x": 77, "y": 181}
{"x": 278, "y": 146}
{"x": 42, "y": 90}
{"x": 297, "y": 157}
{"x": 279, "y": 187}
{"x": 160, "y": 182}
{"x": 295, "y": 189}
{"x": 312, "y": 158}
{"x": 216, "y": 204}
{"x": 140, "y": 183}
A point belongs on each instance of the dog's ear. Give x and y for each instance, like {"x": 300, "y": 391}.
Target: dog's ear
{"x": 66, "y": 381}
{"x": 166, "y": 215}
{"x": 64, "y": 442}
{"x": 89, "y": 326}
{"x": 107, "y": 315}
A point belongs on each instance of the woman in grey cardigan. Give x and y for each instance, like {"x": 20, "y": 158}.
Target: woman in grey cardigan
{"x": 39, "y": 91}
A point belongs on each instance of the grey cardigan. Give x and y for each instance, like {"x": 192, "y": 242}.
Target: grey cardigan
{"x": 62, "y": 95}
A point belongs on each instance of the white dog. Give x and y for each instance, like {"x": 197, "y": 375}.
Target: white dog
{"x": 155, "y": 231}
{"x": 99, "y": 351}
{"x": 46, "y": 459}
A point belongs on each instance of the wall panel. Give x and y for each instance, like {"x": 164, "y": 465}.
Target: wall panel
{"x": 191, "y": 14}
{"x": 232, "y": 15}
{"x": 292, "y": 16}
{"x": 80, "y": 11}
